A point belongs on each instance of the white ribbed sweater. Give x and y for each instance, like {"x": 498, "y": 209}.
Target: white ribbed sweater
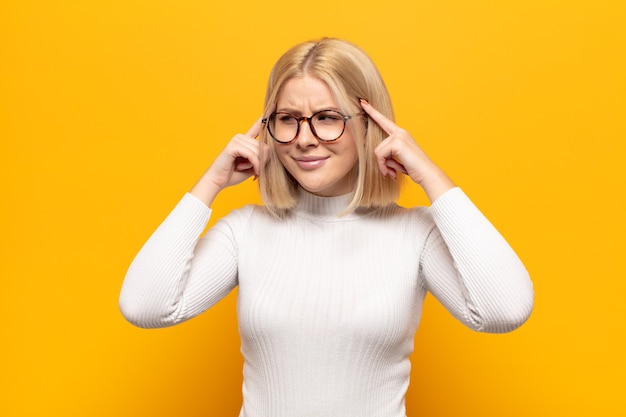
{"x": 328, "y": 306}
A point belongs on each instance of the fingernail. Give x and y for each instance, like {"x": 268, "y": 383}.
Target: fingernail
{"x": 364, "y": 101}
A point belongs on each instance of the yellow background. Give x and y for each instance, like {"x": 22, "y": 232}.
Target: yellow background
{"x": 110, "y": 110}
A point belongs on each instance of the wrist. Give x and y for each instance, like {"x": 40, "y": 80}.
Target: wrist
{"x": 436, "y": 184}
{"x": 205, "y": 190}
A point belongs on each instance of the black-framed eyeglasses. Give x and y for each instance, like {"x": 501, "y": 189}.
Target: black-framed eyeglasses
{"x": 326, "y": 125}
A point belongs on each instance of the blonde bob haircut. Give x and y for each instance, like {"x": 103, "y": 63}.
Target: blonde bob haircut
{"x": 350, "y": 74}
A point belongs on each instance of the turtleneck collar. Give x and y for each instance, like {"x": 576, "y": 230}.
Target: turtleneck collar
{"x": 316, "y": 207}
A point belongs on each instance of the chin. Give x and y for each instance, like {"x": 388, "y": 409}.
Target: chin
{"x": 314, "y": 189}
{"x": 325, "y": 184}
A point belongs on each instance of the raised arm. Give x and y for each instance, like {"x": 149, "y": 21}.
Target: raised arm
{"x": 176, "y": 275}
{"x": 471, "y": 269}
{"x": 466, "y": 263}
{"x": 238, "y": 161}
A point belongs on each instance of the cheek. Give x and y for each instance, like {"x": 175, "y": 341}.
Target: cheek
{"x": 283, "y": 159}
{"x": 351, "y": 153}
{"x": 281, "y": 155}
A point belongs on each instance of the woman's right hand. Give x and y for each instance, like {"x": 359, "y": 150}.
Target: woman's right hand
{"x": 240, "y": 159}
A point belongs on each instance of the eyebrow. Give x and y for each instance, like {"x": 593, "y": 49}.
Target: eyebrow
{"x": 296, "y": 112}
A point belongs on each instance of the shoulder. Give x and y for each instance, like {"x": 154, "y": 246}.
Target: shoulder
{"x": 401, "y": 223}
{"x": 245, "y": 214}
{"x": 397, "y": 213}
{"x": 246, "y": 218}
{"x": 453, "y": 203}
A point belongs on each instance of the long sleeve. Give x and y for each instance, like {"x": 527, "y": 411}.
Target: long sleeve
{"x": 472, "y": 270}
{"x": 176, "y": 275}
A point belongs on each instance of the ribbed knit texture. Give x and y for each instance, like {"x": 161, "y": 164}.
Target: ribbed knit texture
{"x": 328, "y": 306}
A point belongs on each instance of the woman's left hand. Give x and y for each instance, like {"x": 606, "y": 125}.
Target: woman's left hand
{"x": 400, "y": 153}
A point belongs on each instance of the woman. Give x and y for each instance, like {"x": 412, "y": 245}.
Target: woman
{"x": 331, "y": 273}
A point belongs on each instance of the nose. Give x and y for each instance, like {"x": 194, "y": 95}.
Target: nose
{"x": 306, "y": 138}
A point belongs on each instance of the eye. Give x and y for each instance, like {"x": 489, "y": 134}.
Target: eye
{"x": 329, "y": 117}
{"x": 286, "y": 119}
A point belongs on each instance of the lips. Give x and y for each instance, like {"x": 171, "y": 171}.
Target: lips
{"x": 310, "y": 162}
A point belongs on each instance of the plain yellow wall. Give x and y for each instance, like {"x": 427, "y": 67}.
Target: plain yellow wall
{"x": 110, "y": 110}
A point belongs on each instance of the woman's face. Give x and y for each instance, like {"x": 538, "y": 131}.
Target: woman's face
{"x": 320, "y": 168}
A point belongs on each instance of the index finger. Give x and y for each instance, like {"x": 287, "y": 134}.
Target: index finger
{"x": 256, "y": 128}
{"x": 383, "y": 121}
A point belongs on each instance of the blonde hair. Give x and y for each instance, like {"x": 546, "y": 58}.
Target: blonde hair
{"x": 350, "y": 74}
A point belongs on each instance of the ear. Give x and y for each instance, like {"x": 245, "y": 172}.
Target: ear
{"x": 366, "y": 120}
{"x": 363, "y": 114}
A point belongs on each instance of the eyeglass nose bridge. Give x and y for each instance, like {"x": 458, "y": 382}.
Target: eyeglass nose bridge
{"x": 309, "y": 121}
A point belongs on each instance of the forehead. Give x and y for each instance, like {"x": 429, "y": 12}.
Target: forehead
{"x": 306, "y": 93}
